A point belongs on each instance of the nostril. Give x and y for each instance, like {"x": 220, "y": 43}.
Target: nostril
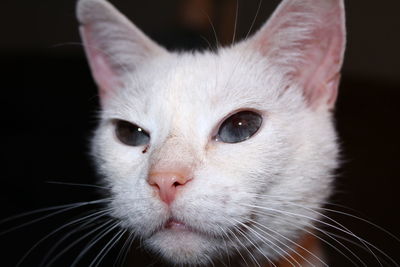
{"x": 155, "y": 185}
{"x": 176, "y": 184}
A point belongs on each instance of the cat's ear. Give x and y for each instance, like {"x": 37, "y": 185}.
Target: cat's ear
{"x": 114, "y": 46}
{"x": 307, "y": 39}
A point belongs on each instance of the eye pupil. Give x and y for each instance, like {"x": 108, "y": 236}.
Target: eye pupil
{"x": 130, "y": 134}
{"x": 239, "y": 122}
{"x": 239, "y": 127}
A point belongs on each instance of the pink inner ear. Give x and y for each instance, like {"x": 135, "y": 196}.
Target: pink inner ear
{"x": 308, "y": 37}
{"x": 105, "y": 78}
{"x": 320, "y": 77}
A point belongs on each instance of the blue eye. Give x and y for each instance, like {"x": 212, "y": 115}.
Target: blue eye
{"x": 239, "y": 127}
{"x": 130, "y": 134}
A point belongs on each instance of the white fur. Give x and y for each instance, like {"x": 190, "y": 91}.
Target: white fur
{"x": 180, "y": 99}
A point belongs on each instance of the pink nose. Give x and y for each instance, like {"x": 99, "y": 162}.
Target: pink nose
{"x": 167, "y": 183}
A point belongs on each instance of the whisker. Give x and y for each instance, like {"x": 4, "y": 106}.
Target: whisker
{"x": 340, "y": 228}
{"x": 335, "y": 211}
{"x": 254, "y": 20}
{"x": 128, "y": 248}
{"x": 289, "y": 240}
{"x": 363, "y": 220}
{"x": 290, "y": 200}
{"x": 281, "y": 249}
{"x": 354, "y": 243}
{"x": 236, "y": 20}
{"x": 83, "y": 226}
{"x": 67, "y": 208}
{"x": 227, "y": 252}
{"x": 124, "y": 250}
{"x": 77, "y": 184}
{"x": 217, "y": 43}
{"x": 333, "y": 246}
{"x": 262, "y": 238}
{"x": 208, "y": 42}
{"x": 79, "y": 204}
{"x": 304, "y": 229}
{"x": 365, "y": 243}
{"x": 94, "y": 241}
{"x": 234, "y": 244}
{"x": 56, "y": 257}
{"x": 210, "y": 260}
{"x": 56, "y": 231}
{"x": 250, "y": 254}
{"x": 330, "y": 234}
{"x": 106, "y": 249}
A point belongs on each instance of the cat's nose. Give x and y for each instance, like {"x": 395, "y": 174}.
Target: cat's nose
{"x": 168, "y": 183}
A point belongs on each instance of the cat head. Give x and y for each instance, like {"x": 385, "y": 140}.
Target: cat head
{"x": 207, "y": 153}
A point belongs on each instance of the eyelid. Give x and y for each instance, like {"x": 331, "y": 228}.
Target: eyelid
{"x": 114, "y": 121}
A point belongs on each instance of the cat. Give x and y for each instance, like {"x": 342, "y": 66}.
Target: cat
{"x": 219, "y": 156}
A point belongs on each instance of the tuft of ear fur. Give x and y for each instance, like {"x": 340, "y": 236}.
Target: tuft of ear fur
{"x": 114, "y": 46}
{"x": 306, "y": 38}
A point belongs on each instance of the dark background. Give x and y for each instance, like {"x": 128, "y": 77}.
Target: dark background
{"x": 48, "y": 111}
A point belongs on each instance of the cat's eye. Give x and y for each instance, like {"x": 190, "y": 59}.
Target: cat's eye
{"x": 239, "y": 127}
{"x": 130, "y": 134}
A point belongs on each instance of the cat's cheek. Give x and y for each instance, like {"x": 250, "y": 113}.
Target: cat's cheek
{"x": 116, "y": 160}
{"x": 137, "y": 211}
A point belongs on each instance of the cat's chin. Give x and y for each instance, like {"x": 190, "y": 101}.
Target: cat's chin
{"x": 179, "y": 244}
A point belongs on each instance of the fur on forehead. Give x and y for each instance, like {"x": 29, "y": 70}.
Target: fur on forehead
{"x": 234, "y": 78}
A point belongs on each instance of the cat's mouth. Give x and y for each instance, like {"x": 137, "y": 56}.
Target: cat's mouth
{"x": 176, "y": 225}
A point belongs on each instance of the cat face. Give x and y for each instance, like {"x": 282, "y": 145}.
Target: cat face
{"x": 212, "y": 154}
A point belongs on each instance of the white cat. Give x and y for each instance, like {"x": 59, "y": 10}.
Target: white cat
{"x": 219, "y": 155}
